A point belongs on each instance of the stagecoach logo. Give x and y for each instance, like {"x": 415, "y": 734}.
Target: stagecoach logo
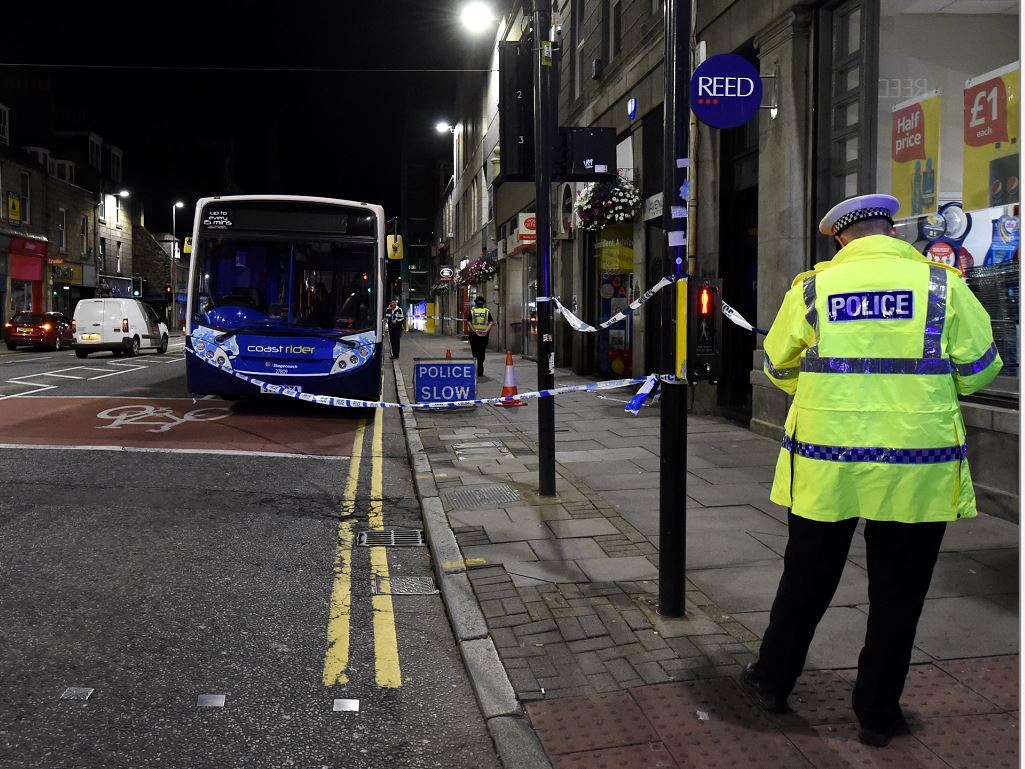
{"x": 217, "y": 220}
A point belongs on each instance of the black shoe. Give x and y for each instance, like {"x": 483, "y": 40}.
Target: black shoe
{"x": 765, "y": 699}
{"x": 880, "y": 739}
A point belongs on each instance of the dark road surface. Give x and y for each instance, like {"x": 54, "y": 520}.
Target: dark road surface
{"x": 155, "y": 557}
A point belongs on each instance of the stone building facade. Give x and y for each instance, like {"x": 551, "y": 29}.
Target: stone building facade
{"x": 834, "y": 74}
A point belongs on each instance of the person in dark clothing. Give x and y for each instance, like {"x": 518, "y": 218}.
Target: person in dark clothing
{"x": 478, "y": 327}
{"x": 395, "y": 318}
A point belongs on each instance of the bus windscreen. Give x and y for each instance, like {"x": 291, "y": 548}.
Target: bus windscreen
{"x": 284, "y": 284}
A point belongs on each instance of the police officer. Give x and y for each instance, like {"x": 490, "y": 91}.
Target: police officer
{"x": 395, "y": 318}
{"x": 875, "y": 345}
{"x": 478, "y": 327}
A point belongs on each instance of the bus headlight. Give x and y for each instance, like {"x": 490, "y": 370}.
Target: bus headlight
{"x": 222, "y": 359}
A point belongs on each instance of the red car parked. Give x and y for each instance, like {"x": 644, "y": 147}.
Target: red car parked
{"x": 39, "y": 329}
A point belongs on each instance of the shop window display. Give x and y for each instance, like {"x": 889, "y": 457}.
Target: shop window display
{"x": 948, "y": 149}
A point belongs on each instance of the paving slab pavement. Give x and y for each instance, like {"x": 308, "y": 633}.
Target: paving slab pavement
{"x": 566, "y": 590}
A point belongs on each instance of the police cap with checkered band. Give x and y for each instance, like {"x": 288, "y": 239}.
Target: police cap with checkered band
{"x": 855, "y": 209}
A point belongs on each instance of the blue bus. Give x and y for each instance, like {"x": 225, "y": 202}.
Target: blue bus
{"x": 288, "y": 290}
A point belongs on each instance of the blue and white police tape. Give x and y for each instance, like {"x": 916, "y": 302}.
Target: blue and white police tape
{"x": 579, "y": 325}
{"x": 740, "y": 320}
{"x": 436, "y": 317}
{"x": 330, "y": 400}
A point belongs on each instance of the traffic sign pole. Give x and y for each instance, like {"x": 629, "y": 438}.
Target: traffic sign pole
{"x": 545, "y": 123}
{"x": 673, "y": 424}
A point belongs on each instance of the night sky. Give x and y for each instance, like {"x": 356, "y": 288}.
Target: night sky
{"x": 182, "y": 93}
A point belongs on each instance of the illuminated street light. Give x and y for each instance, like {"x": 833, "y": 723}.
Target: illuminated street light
{"x": 173, "y": 314}
{"x": 124, "y": 193}
{"x": 477, "y": 17}
{"x": 441, "y": 127}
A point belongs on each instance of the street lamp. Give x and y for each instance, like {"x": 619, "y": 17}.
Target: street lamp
{"x": 441, "y": 127}
{"x": 477, "y": 16}
{"x": 174, "y": 249}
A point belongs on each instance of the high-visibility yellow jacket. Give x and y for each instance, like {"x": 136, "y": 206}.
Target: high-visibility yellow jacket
{"x": 876, "y": 344}
{"x": 480, "y": 317}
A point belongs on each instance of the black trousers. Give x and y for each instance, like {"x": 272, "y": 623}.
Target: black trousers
{"x": 395, "y": 335}
{"x": 479, "y": 346}
{"x": 901, "y": 557}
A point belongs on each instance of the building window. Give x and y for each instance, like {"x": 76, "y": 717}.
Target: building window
{"x": 845, "y": 150}
{"x": 117, "y": 211}
{"x": 101, "y": 257}
{"x": 579, "y": 38}
{"x": 103, "y": 208}
{"x": 612, "y": 29}
{"x": 41, "y": 155}
{"x": 5, "y": 125}
{"x": 117, "y": 259}
{"x": 26, "y": 197}
{"x": 65, "y": 171}
{"x": 115, "y": 165}
{"x": 62, "y": 230}
{"x": 96, "y": 153}
{"x": 83, "y": 231}
{"x": 615, "y": 28}
{"x": 947, "y": 146}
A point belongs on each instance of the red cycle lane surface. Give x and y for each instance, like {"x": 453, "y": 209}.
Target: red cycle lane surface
{"x": 175, "y": 424}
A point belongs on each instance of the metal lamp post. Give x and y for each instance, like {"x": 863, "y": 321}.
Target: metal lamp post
{"x": 174, "y": 248}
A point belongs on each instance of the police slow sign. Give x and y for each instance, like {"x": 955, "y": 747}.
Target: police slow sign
{"x": 438, "y": 380}
{"x": 725, "y": 91}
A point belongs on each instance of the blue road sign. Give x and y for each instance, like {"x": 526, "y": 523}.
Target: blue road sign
{"x": 438, "y": 380}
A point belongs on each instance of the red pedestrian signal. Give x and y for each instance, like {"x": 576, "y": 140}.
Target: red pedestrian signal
{"x": 705, "y": 301}
{"x": 167, "y": 288}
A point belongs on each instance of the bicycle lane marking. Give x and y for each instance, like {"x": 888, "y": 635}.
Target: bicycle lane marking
{"x": 169, "y": 424}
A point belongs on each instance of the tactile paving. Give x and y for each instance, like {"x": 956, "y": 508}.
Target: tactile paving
{"x": 836, "y": 746}
{"x": 711, "y": 724}
{"x": 932, "y": 693}
{"x": 820, "y": 697}
{"x": 995, "y": 678}
{"x": 973, "y": 742}
{"x": 575, "y": 724}
{"x": 653, "y": 756}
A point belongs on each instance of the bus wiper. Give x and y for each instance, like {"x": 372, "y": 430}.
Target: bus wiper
{"x": 274, "y": 330}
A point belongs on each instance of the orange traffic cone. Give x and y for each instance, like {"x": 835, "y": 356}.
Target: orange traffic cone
{"x": 448, "y": 353}
{"x": 509, "y": 388}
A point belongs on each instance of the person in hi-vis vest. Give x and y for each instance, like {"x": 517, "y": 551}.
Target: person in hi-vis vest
{"x": 478, "y": 327}
{"x": 875, "y": 345}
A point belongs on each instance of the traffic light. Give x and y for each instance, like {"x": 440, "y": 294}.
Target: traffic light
{"x": 704, "y": 329}
{"x": 137, "y": 286}
{"x": 167, "y": 289}
{"x": 516, "y": 110}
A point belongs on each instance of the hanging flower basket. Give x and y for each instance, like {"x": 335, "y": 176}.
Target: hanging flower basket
{"x": 602, "y": 203}
{"x": 479, "y": 271}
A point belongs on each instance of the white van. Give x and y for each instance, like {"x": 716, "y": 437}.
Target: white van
{"x": 123, "y": 326}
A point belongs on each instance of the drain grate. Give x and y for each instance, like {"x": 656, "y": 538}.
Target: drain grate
{"x": 404, "y": 586}
{"x": 392, "y": 538}
{"x": 470, "y": 497}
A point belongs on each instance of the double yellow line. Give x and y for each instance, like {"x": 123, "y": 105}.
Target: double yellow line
{"x": 386, "y": 649}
